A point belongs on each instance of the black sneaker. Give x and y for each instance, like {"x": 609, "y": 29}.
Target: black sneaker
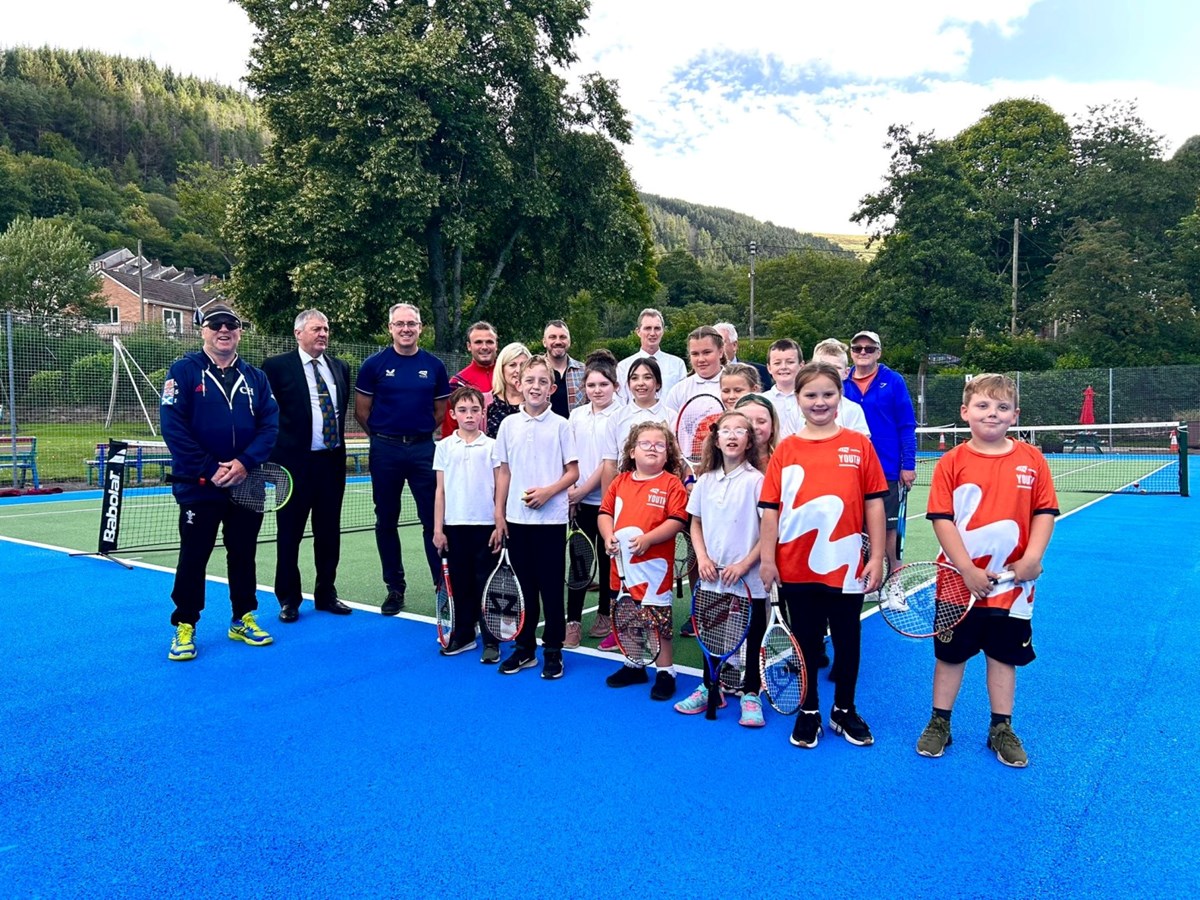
{"x": 627, "y": 676}
{"x": 456, "y": 648}
{"x": 520, "y": 659}
{"x": 688, "y": 629}
{"x": 552, "y": 665}
{"x": 850, "y": 725}
{"x": 664, "y": 686}
{"x": 393, "y": 604}
{"x": 491, "y": 654}
{"x": 807, "y": 730}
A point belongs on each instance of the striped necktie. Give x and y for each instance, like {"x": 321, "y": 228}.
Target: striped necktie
{"x": 329, "y": 427}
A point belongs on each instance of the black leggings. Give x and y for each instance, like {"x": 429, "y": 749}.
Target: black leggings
{"x": 810, "y": 606}
{"x": 542, "y": 574}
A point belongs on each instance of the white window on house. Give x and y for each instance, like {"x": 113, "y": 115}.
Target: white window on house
{"x": 172, "y": 321}
{"x": 114, "y": 315}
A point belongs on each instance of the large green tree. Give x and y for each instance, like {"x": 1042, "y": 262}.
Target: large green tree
{"x": 431, "y": 152}
{"x": 930, "y": 283}
{"x": 44, "y": 270}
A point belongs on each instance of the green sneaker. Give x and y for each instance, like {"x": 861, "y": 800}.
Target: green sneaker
{"x": 1007, "y": 746}
{"x": 935, "y": 738}
{"x": 246, "y": 629}
{"x": 183, "y": 645}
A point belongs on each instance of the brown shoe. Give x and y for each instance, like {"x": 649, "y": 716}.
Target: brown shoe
{"x": 574, "y": 635}
{"x": 601, "y": 627}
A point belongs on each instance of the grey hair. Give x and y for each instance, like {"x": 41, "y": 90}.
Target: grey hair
{"x": 302, "y": 318}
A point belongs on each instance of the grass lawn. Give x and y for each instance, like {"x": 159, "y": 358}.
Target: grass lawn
{"x": 63, "y": 447}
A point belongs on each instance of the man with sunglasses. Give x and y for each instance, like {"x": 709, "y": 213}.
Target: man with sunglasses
{"x": 883, "y": 395}
{"x": 220, "y": 420}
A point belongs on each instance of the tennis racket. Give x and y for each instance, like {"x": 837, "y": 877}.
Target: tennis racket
{"x": 927, "y": 599}
{"x": 873, "y": 596}
{"x": 266, "y": 488}
{"x": 581, "y": 558}
{"x": 635, "y": 630}
{"x": 503, "y": 600}
{"x": 784, "y": 678}
{"x": 444, "y": 605}
{"x": 721, "y": 614}
{"x": 685, "y": 558}
{"x": 901, "y": 521}
{"x": 691, "y": 425}
{"x": 733, "y": 674}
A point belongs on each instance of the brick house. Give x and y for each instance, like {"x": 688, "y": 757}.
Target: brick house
{"x": 171, "y": 295}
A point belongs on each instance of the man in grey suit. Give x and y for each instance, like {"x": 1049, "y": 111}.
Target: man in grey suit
{"x": 312, "y": 389}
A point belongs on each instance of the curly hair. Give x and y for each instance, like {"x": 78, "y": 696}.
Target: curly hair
{"x": 674, "y": 458}
{"x": 712, "y": 458}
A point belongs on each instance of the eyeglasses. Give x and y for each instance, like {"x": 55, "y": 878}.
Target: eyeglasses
{"x": 406, "y": 324}
{"x": 864, "y": 348}
{"x": 660, "y": 446}
{"x": 732, "y": 432}
{"x": 224, "y": 323}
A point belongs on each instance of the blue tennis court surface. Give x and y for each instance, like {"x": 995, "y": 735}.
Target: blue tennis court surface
{"x": 349, "y": 759}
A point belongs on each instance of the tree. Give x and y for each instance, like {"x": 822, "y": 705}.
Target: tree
{"x": 430, "y": 151}
{"x": 930, "y": 282}
{"x": 44, "y": 270}
{"x": 1115, "y": 309}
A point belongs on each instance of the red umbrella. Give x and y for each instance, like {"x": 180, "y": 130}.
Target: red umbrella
{"x": 1087, "y": 415}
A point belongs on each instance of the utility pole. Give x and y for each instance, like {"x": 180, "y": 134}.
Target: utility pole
{"x": 1016, "y": 238}
{"x": 753, "y": 252}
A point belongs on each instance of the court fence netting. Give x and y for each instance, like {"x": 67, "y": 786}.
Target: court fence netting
{"x": 1137, "y": 458}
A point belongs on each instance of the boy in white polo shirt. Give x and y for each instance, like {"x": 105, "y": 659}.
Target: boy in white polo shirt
{"x": 535, "y": 453}
{"x": 463, "y": 518}
{"x": 784, "y": 360}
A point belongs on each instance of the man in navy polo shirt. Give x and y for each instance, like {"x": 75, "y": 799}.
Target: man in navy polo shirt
{"x": 400, "y": 398}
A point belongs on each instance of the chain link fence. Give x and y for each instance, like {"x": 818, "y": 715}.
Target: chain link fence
{"x": 67, "y": 386}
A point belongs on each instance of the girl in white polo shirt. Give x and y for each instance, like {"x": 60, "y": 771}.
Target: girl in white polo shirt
{"x": 724, "y": 530}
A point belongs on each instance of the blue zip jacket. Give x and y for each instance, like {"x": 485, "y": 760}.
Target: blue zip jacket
{"x": 893, "y": 424}
{"x": 204, "y": 426}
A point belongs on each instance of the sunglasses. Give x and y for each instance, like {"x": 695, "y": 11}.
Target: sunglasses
{"x": 863, "y": 348}
{"x": 218, "y": 324}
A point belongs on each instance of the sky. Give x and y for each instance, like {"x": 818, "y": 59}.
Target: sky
{"x": 774, "y": 108}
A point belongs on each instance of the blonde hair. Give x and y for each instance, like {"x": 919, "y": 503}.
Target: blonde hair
{"x": 712, "y": 458}
{"x": 998, "y": 387}
{"x": 674, "y": 459}
{"x": 503, "y": 358}
{"x": 760, "y": 400}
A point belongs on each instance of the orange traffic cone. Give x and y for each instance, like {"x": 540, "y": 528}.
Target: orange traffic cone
{"x": 941, "y": 442}
{"x": 1174, "y": 441}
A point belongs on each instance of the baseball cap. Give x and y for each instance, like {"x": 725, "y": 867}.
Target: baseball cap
{"x": 220, "y": 314}
{"x": 868, "y": 334}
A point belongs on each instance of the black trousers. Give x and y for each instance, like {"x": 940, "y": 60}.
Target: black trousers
{"x": 318, "y": 486}
{"x": 470, "y": 561}
{"x": 393, "y": 464}
{"x": 198, "y": 524}
{"x": 542, "y": 571}
{"x": 810, "y": 606}
{"x": 585, "y": 518}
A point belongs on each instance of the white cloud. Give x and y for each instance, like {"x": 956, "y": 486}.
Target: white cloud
{"x": 207, "y": 38}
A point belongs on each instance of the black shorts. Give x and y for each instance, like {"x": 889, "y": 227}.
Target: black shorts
{"x": 1000, "y": 637}
{"x": 891, "y": 504}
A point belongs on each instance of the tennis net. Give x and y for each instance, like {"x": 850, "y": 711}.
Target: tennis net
{"x": 1137, "y": 458}
{"x": 150, "y": 516}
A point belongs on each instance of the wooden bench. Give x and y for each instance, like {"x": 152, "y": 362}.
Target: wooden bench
{"x": 138, "y": 459}
{"x": 19, "y": 455}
